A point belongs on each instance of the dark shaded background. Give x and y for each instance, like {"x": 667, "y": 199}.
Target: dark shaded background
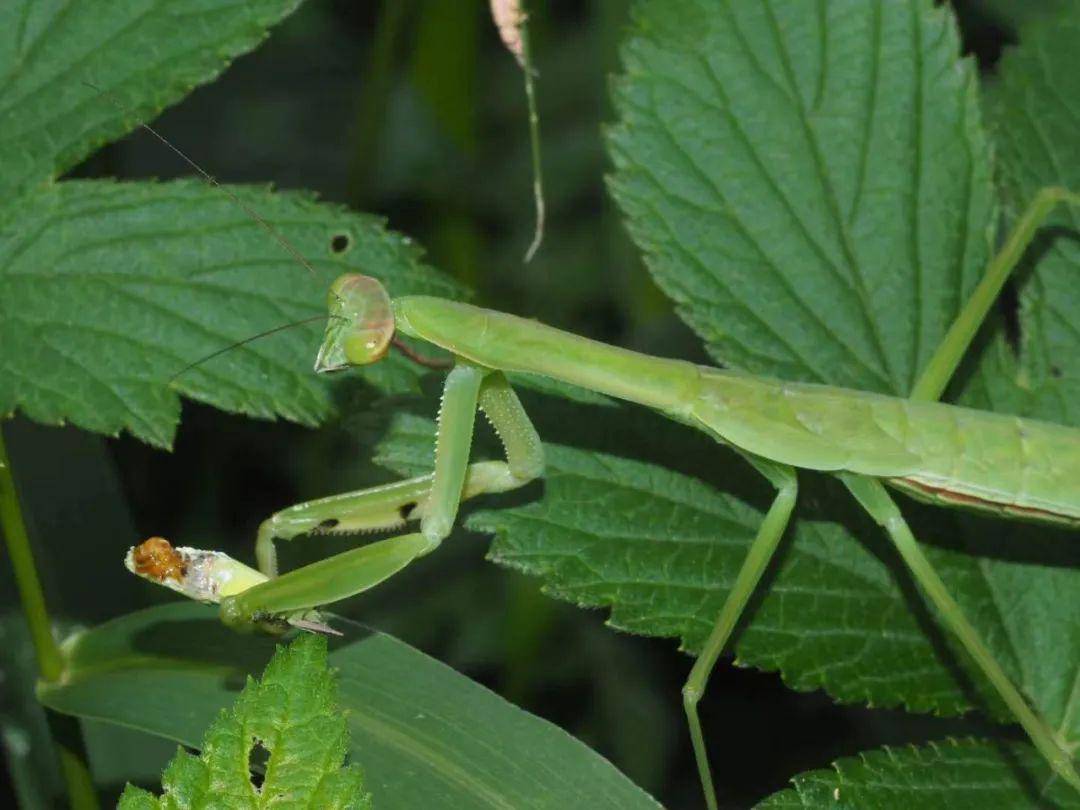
{"x": 412, "y": 109}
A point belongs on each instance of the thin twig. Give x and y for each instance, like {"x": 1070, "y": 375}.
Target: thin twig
{"x": 510, "y": 18}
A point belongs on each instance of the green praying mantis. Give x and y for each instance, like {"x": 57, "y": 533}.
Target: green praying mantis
{"x": 943, "y": 454}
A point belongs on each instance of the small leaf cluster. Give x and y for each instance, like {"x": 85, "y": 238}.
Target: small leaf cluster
{"x": 292, "y": 714}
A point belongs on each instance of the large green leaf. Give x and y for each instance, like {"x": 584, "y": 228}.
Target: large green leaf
{"x": 661, "y": 549}
{"x": 947, "y": 775}
{"x": 424, "y": 735}
{"x": 809, "y": 182}
{"x": 110, "y": 289}
{"x": 145, "y": 53}
{"x": 854, "y": 171}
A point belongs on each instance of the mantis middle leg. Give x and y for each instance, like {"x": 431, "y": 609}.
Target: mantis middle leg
{"x": 782, "y": 477}
{"x": 433, "y": 499}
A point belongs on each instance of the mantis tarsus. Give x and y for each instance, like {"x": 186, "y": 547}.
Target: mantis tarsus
{"x": 944, "y": 454}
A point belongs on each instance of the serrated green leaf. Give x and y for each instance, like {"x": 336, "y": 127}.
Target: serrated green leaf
{"x": 661, "y": 550}
{"x": 145, "y": 54}
{"x": 424, "y": 735}
{"x": 809, "y": 182}
{"x": 292, "y": 714}
{"x": 948, "y": 775}
{"x": 1033, "y": 116}
{"x": 110, "y": 289}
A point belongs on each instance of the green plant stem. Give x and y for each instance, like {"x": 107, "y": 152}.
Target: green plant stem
{"x": 67, "y": 733}
{"x": 80, "y": 787}
{"x": 50, "y": 664}
{"x": 534, "y": 143}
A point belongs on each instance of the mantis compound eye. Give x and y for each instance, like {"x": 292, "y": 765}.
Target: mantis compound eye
{"x": 361, "y": 324}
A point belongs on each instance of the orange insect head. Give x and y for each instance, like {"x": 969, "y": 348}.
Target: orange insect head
{"x": 361, "y": 323}
{"x": 157, "y": 559}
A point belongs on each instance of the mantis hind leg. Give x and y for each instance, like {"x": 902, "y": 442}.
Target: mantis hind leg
{"x": 941, "y": 367}
{"x": 873, "y": 497}
{"x": 757, "y": 560}
{"x": 929, "y": 387}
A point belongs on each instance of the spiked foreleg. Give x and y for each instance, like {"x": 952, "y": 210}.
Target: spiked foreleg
{"x": 355, "y": 571}
{"x": 392, "y": 505}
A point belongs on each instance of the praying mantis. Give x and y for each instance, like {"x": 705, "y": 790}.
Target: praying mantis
{"x": 942, "y": 454}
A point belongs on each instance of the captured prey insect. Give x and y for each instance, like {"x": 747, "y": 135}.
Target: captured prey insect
{"x": 943, "y": 454}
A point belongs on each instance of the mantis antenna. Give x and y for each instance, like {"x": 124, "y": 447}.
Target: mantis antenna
{"x": 210, "y": 179}
{"x": 245, "y": 341}
{"x": 285, "y": 244}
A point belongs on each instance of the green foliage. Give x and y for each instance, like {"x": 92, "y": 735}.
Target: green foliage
{"x": 424, "y": 735}
{"x": 811, "y": 184}
{"x": 111, "y": 289}
{"x": 661, "y": 549}
{"x": 945, "y": 775}
{"x": 50, "y": 50}
{"x": 851, "y": 193}
{"x": 292, "y": 714}
{"x": 1033, "y": 114}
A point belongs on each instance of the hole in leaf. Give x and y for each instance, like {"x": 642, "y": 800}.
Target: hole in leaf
{"x": 328, "y": 524}
{"x": 258, "y": 757}
{"x": 406, "y": 509}
{"x": 340, "y": 243}
{"x": 1055, "y": 372}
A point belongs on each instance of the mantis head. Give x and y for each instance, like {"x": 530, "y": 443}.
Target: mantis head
{"x": 361, "y": 324}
